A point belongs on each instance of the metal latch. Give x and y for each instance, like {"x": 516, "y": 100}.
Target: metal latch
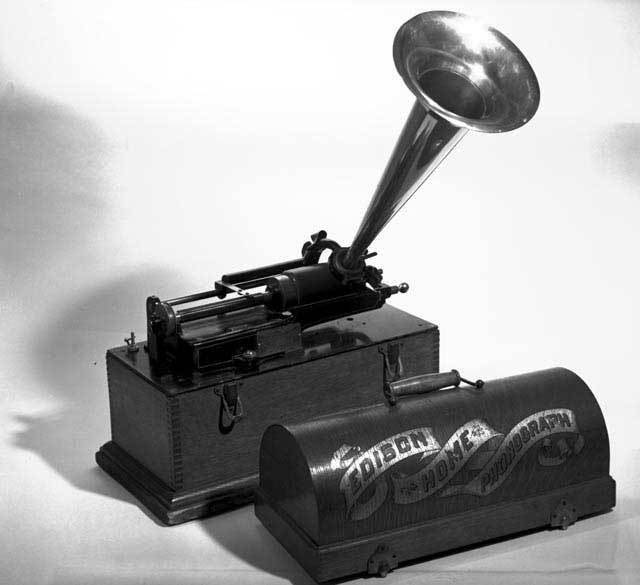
{"x": 231, "y": 409}
{"x": 393, "y": 367}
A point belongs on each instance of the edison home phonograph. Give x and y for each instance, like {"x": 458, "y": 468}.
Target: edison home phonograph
{"x": 367, "y": 460}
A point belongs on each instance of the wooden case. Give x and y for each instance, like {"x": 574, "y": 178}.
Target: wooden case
{"x": 366, "y": 489}
{"x": 172, "y": 445}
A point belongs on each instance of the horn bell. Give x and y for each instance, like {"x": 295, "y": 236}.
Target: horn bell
{"x": 465, "y": 76}
{"x": 471, "y": 75}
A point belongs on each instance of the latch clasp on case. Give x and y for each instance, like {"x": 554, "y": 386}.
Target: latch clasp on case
{"x": 231, "y": 407}
{"x": 393, "y": 367}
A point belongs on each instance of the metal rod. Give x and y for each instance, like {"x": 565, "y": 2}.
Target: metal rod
{"x": 255, "y": 273}
{"x": 194, "y": 313}
{"x": 232, "y": 287}
{"x": 240, "y": 277}
{"x": 478, "y": 383}
{"x": 255, "y": 283}
{"x": 194, "y": 297}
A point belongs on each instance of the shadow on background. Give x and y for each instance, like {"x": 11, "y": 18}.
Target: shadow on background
{"x": 54, "y": 204}
{"x": 69, "y": 357}
{"x": 53, "y": 183}
{"x": 242, "y": 534}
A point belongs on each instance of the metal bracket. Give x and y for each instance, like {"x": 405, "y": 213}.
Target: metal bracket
{"x": 382, "y": 561}
{"x": 230, "y": 405}
{"x": 220, "y": 284}
{"x": 317, "y": 244}
{"x": 393, "y": 367}
{"x": 564, "y": 515}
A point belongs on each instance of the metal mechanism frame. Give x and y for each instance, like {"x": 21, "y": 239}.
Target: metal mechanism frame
{"x": 297, "y": 293}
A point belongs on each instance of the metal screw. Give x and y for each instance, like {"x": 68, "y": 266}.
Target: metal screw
{"x": 131, "y": 343}
{"x": 250, "y": 355}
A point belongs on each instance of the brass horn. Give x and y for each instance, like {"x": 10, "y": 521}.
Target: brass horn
{"x": 465, "y": 76}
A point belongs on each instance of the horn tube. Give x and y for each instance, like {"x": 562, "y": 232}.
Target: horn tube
{"x": 465, "y": 76}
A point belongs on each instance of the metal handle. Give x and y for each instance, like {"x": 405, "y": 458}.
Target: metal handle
{"x": 426, "y": 383}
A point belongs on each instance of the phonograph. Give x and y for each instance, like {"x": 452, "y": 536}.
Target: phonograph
{"x": 366, "y": 460}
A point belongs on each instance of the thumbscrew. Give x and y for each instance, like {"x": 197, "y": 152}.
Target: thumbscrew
{"x": 131, "y": 343}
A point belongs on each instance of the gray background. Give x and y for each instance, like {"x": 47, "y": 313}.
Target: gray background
{"x": 150, "y": 147}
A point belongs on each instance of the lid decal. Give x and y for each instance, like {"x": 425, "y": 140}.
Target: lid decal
{"x": 475, "y": 460}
